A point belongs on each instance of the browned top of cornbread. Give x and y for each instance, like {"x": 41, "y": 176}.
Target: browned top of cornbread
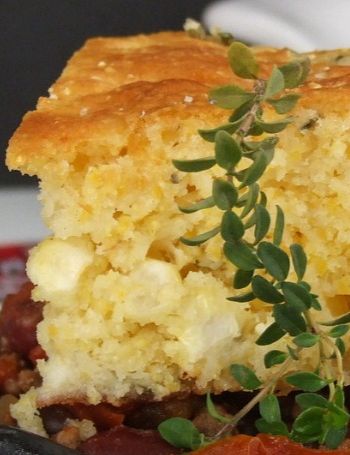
{"x": 110, "y": 84}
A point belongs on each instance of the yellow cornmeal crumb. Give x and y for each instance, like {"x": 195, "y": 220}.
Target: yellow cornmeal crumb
{"x": 26, "y": 412}
{"x": 129, "y": 309}
{"x": 86, "y": 428}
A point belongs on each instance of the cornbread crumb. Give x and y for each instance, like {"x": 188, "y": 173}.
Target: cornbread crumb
{"x": 25, "y": 411}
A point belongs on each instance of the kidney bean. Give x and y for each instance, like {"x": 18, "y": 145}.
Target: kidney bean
{"x": 54, "y": 417}
{"x": 150, "y": 415}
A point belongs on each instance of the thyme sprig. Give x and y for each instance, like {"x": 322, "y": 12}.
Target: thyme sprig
{"x": 263, "y": 266}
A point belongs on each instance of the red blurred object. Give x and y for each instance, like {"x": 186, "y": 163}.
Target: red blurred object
{"x": 263, "y": 444}
{"x": 19, "y": 318}
{"x": 127, "y": 441}
{"x": 104, "y": 415}
{"x": 13, "y": 260}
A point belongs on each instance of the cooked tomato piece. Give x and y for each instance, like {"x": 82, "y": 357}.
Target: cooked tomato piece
{"x": 263, "y": 444}
{"x": 127, "y": 441}
{"x": 104, "y": 415}
{"x": 19, "y": 318}
{"x": 9, "y": 368}
{"x": 36, "y": 354}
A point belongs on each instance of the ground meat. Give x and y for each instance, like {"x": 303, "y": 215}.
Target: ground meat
{"x": 11, "y": 386}
{"x": 69, "y": 437}
{"x": 25, "y": 379}
{"x": 28, "y": 378}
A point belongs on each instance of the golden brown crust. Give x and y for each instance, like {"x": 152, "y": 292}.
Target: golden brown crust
{"x": 111, "y": 83}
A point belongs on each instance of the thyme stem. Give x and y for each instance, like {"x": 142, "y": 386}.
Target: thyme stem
{"x": 339, "y": 359}
{"x": 257, "y": 398}
{"x": 247, "y": 123}
{"x": 325, "y": 362}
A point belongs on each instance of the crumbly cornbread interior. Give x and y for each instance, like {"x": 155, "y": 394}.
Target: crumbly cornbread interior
{"x": 130, "y": 310}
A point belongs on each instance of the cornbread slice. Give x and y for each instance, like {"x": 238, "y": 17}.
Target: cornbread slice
{"x": 130, "y": 310}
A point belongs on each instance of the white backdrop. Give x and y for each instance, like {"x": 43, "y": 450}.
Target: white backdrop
{"x": 302, "y": 25}
{"x": 20, "y": 217}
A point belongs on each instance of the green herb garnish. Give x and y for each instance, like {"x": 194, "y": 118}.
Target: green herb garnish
{"x": 263, "y": 266}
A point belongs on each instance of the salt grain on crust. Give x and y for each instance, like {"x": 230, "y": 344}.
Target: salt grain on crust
{"x": 188, "y": 99}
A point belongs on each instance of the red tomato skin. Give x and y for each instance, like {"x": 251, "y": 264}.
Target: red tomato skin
{"x": 20, "y": 316}
{"x": 264, "y": 444}
{"x": 104, "y": 415}
{"x": 9, "y": 368}
{"x": 37, "y": 353}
